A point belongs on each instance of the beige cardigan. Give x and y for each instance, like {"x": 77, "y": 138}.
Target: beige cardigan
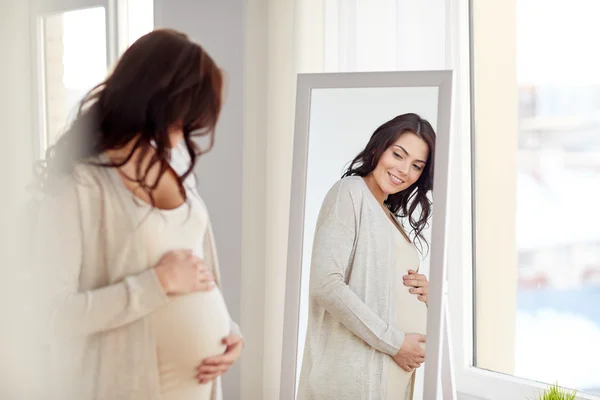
{"x": 99, "y": 290}
{"x": 349, "y": 336}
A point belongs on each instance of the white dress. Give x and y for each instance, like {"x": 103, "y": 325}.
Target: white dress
{"x": 191, "y": 327}
{"x": 411, "y": 317}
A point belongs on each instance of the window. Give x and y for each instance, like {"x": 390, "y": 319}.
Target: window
{"x": 72, "y": 63}
{"x": 69, "y": 62}
{"x": 535, "y": 112}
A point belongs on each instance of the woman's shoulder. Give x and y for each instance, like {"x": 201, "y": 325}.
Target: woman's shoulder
{"x": 343, "y": 201}
{"x": 352, "y": 186}
{"x": 90, "y": 175}
{"x": 84, "y": 183}
{"x": 64, "y": 195}
{"x": 347, "y": 192}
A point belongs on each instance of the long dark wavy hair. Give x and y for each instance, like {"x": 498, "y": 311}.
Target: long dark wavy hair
{"x": 411, "y": 203}
{"x": 163, "y": 80}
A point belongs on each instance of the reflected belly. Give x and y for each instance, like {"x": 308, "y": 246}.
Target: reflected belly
{"x": 189, "y": 329}
{"x": 411, "y": 313}
{"x": 411, "y": 317}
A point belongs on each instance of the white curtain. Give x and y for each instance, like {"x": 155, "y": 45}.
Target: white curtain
{"x": 295, "y": 45}
{"x": 384, "y": 35}
{"x": 283, "y": 38}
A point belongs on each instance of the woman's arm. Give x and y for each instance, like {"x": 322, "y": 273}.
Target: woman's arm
{"x": 71, "y": 312}
{"x": 332, "y": 248}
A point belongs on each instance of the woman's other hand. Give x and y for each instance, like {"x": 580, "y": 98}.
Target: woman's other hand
{"x": 181, "y": 272}
{"x": 418, "y": 283}
{"x": 411, "y": 355}
{"x": 213, "y": 367}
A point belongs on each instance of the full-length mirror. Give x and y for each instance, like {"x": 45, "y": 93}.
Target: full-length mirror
{"x": 368, "y": 150}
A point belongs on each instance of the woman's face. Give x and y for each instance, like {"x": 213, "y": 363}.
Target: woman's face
{"x": 401, "y": 164}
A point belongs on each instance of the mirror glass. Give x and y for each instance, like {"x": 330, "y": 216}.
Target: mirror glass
{"x": 341, "y": 122}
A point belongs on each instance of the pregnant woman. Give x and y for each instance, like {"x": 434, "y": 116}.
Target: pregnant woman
{"x": 133, "y": 307}
{"x": 368, "y": 310}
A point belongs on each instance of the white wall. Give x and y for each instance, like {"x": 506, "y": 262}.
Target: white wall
{"x": 219, "y": 27}
{"x": 15, "y": 78}
{"x": 15, "y": 166}
{"x": 15, "y": 109}
{"x": 495, "y": 93}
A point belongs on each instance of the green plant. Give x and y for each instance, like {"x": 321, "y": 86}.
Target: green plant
{"x": 555, "y": 392}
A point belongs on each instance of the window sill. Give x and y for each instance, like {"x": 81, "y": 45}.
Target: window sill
{"x": 478, "y": 384}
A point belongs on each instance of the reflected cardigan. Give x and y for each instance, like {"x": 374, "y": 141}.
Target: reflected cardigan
{"x": 349, "y": 335}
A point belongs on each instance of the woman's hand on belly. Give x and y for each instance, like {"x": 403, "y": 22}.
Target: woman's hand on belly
{"x": 418, "y": 283}
{"x": 411, "y": 355}
{"x": 181, "y": 272}
{"x": 213, "y": 367}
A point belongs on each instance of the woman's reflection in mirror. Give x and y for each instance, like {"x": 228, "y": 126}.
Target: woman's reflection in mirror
{"x": 368, "y": 302}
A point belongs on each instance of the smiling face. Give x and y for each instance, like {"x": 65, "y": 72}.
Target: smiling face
{"x": 399, "y": 167}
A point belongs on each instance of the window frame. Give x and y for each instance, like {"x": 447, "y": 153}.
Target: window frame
{"x": 116, "y": 42}
{"x": 44, "y": 7}
{"x": 470, "y": 382}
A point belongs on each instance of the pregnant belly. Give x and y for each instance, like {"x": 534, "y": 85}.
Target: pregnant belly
{"x": 411, "y": 313}
{"x": 411, "y": 317}
{"x": 189, "y": 329}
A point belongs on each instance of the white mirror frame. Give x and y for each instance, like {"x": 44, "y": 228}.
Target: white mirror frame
{"x": 306, "y": 83}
